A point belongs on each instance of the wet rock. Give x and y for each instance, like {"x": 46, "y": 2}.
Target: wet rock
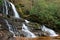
{"x": 5, "y": 35}
{"x": 3, "y": 24}
{"x": 33, "y": 26}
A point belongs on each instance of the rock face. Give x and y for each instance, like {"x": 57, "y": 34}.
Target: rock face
{"x": 27, "y": 4}
{"x": 23, "y": 6}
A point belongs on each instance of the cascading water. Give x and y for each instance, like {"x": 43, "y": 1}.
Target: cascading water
{"x": 12, "y": 29}
{"x": 24, "y": 27}
{"x": 49, "y": 32}
{"x": 26, "y": 32}
{"x": 27, "y": 21}
{"x": 5, "y": 7}
{"x": 16, "y": 15}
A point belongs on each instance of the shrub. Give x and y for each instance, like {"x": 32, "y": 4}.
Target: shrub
{"x": 48, "y": 12}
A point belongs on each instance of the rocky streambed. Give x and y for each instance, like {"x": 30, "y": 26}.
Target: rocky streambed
{"x": 5, "y": 35}
{"x": 17, "y": 23}
{"x": 33, "y": 27}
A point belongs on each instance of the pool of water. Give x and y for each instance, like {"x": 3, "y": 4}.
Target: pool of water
{"x": 38, "y": 38}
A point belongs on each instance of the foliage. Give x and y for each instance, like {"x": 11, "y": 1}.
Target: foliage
{"x": 0, "y": 2}
{"x": 48, "y": 12}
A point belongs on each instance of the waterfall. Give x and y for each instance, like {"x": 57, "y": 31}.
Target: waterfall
{"x": 27, "y": 21}
{"x": 5, "y": 7}
{"x": 48, "y": 31}
{"x": 24, "y": 27}
{"x": 16, "y": 15}
{"x": 12, "y": 29}
{"x": 27, "y": 33}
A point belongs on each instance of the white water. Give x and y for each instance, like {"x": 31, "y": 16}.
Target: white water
{"x": 16, "y": 15}
{"x": 27, "y": 21}
{"x": 27, "y": 33}
{"x": 25, "y": 27}
{"x": 48, "y": 31}
{"x": 10, "y": 28}
{"x": 6, "y": 7}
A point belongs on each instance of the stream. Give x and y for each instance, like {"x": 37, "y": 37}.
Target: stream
{"x": 25, "y": 29}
